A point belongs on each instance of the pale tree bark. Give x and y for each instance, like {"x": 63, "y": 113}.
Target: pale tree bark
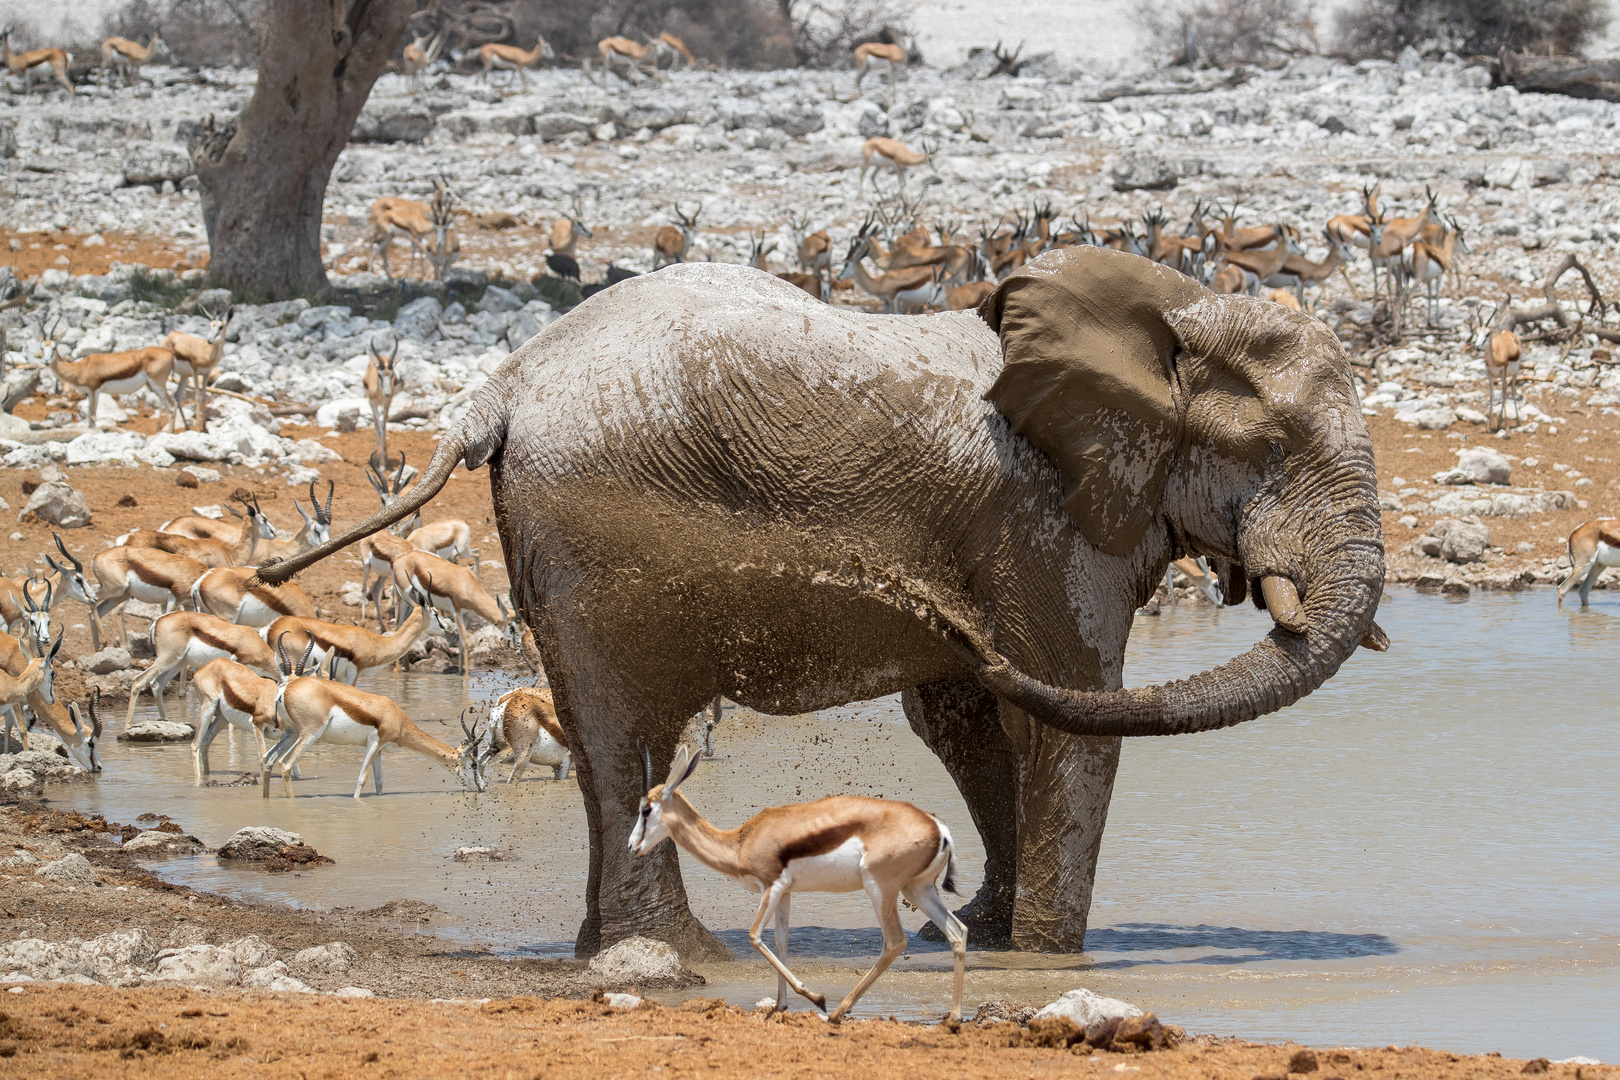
{"x": 264, "y": 173}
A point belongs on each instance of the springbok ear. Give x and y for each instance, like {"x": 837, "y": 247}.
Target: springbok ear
{"x": 1089, "y": 377}
{"x": 679, "y": 770}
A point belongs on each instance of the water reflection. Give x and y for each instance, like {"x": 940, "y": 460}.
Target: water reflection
{"x": 1244, "y": 946}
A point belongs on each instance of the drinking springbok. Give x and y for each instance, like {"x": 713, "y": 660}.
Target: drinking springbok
{"x": 312, "y": 709}
{"x": 78, "y": 738}
{"x": 847, "y": 843}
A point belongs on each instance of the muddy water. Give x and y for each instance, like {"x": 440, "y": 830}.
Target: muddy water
{"x": 1423, "y": 851}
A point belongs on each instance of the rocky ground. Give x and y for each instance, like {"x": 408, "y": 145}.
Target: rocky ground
{"x": 101, "y": 183}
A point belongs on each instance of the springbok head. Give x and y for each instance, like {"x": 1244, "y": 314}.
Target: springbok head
{"x": 37, "y": 613}
{"x": 85, "y": 755}
{"x": 78, "y": 586}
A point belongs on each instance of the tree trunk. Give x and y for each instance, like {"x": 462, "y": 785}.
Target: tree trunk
{"x": 264, "y": 173}
{"x": 1561, "y": 75}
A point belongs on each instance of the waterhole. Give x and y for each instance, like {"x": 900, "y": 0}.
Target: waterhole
{"x": 1423, "y": 851}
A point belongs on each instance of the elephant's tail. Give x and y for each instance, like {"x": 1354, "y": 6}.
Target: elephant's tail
{"x": 473, "y": 441}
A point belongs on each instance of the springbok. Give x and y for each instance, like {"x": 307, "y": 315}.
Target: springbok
{"x": 311, "y": 709}
{"x": 885, "y": 287}
{"x": 1593, "y": 546}
{"x": 204, "y": 528}
{"x": 448, "y": 538}
{"x": 211, "y": 553}
{"x": 128, "y": 56}
{"x": 451, "y": 589}
{"x": 897, "y": 154}
{"x": 1431, "y": 262}
{"x": 314, "y": 532}
{"x": 1298, "y": 272}
{"x": 78, "y": 738}
{"x": 616, "y": 51}
{"x": 120, "y": 373}
{"x": 63, "y": 581}
{"x": 671, "y": 242}
{"x": 351, "y": 650}
{"x": 1502, "y": 353}
{"x": 1398, "y": 234}
{"x": 195, "y": 638}
{"x": 524, "y": 722}
{"x": 512, "y": 58}
{"x": 446, "y": 247}
{"x": 391, "y": 216}
{"x": 24, "y": 63}
{"x": 871, "y": 53}
{"x": 37, "y": 679}
{"x": 13, "y": 661}
{"x": 418, "y": 56}
{"x": 145, "y": 574}
{"x": 196, "y": 359}
{"x": 1196, "y": 570}
{"x": 232, "y": 593}
{"x": 847, "y": 843}
{"x": 380, "y": 383}
{"x": 230, "y": 694}
{"x": 566, "y": 232}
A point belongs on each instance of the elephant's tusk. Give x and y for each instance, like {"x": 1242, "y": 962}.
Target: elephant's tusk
{"x": 1375, "y": 638}
{"x": 1282, "y": 600}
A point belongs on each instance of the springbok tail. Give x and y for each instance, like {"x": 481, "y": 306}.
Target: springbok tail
{"x": 948, "y": 846}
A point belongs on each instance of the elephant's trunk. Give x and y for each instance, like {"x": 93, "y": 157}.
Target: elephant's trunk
{"x": 1345, "y": 580}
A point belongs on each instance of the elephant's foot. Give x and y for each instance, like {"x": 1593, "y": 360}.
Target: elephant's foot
{"x": 988, "y": 918}
{"x": 683, "y": 932}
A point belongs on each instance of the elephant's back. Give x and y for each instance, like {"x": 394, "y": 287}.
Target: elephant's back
{"x": 728, "y": 349}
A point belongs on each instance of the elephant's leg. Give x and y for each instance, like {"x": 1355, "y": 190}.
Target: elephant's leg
{"x": 625, "y": 894}
{"x": 1064, "y": 784}
{"x": 958, "y": 721}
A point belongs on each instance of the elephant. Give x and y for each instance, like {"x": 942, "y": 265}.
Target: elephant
{"x": 705, "y": 482}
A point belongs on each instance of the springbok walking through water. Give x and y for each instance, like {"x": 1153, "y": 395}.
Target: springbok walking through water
{"x": 847, "y": 843}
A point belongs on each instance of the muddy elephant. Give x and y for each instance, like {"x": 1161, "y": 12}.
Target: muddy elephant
{"x": 707, "y": 482}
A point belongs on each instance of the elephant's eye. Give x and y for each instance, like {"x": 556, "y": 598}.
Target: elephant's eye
{"x": 1277, "y": 453}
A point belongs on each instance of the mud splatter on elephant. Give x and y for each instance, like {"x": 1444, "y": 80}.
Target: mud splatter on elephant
{"x": 706, "y": 482}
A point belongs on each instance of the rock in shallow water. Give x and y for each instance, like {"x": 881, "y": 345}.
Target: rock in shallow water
{"x": 258, "y": 842}
{"x": 1085, "y": 1008}
{"x": 158, "y": 731}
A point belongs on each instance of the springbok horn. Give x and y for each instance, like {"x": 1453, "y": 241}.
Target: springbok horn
{"x": 303, "y": 661}
{"x": 331, "y": 489}
{"x": 281, "y": 655}
{"x": 646, "y": 767}
{"x": 95, "y": 721}
{"x": 1282, "y": 600}
{"x": 66, "y": 554}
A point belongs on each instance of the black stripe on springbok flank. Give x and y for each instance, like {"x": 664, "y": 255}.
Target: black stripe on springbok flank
{"x": 235, "y": 700}
{"x": 817, "y": 843}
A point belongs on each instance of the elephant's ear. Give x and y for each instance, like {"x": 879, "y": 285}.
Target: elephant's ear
{"x": 1089, "y": 379}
